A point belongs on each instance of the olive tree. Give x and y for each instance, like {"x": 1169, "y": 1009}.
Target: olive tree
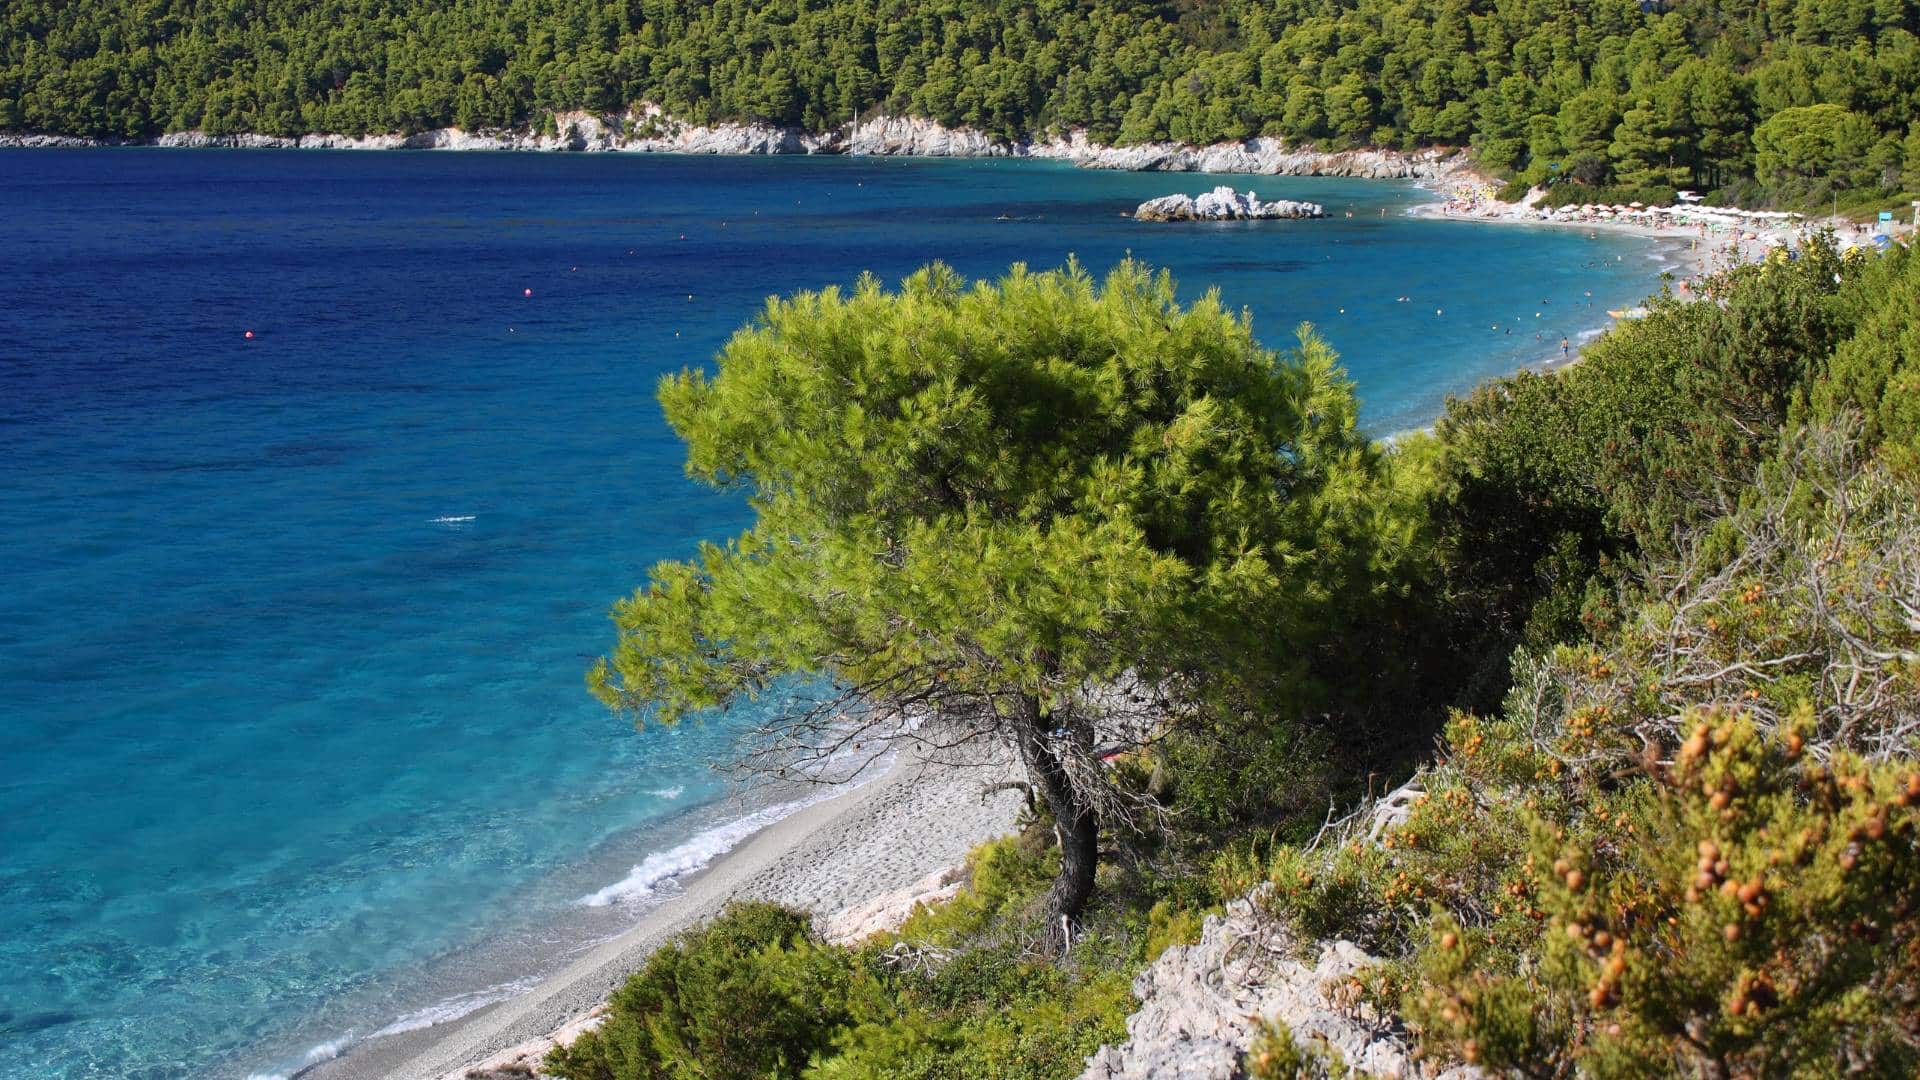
{"x": 982, "y": 507}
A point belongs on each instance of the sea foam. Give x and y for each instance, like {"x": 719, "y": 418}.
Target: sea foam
{"x": 455, "y": 1007}
{"x": 694, "y": 854}
{"x": 326, "y": 1051}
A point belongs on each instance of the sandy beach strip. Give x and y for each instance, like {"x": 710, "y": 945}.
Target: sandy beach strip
{"x": 1696, "y": 254}
{"x": 839, "y": 854}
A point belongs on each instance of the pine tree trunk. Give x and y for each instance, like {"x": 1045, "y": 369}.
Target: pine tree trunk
{"x": 1075, "y": 824}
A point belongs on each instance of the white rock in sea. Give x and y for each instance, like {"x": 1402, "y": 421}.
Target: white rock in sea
{"x": 1223, "y": 204}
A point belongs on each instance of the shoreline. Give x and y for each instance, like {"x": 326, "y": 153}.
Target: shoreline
{"x": 858, "y": 860}
{"x": 1700, "y": 249}
{"x": 645, "y": 129}
{"x": 858, "y": 846}
{"x": 1688, "y": 251}
{"x": 1694, "y": 254}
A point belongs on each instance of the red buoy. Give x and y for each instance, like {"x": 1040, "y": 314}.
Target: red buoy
{"x": 526, "y": 292}
{"x": 249, "y": 335}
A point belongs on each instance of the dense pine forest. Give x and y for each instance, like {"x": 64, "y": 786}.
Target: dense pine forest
{"x": 1793, "y": 99}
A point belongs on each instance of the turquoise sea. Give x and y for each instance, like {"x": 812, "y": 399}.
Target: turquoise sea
{"x": 293, "y": 741}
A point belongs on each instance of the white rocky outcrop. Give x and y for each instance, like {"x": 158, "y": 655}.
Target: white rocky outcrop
{"x": 33, "y": 140}
{"x": 647, "y": 129}
{"x": 1273, "y": 157}
{"x": 1223, "y": 204}
{"x": 910, "y": 136}
{"x": 1201, "y": 1006}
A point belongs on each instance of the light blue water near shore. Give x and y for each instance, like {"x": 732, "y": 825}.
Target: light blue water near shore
{"x": 293, "y": 741}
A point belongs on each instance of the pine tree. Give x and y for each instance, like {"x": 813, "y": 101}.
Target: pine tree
{"x": 978, "y": 508}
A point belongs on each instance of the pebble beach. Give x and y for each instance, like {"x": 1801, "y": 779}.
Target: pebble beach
{"x": 859, "y": 861}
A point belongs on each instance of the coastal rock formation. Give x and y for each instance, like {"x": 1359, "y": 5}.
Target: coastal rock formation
{"x": 1274, "y": 157}
{"x": 909, "y": 136}
{"x": 648, "y": 129}
{"x": 1201, "y": 1006}
{"x": 1223, "y": 204}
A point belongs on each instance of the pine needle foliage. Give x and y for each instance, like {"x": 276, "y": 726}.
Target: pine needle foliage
{"x": 978, "y": 504}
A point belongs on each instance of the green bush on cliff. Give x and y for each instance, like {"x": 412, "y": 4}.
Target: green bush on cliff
{"x": 957, "y": 992}
{"x": 1690, "y": 845}
{"x": 1552, "y": 488}
{"x": 751, "y": 994}
{"x": 1683, "y": 842}
{"x": 1876, "y": 372}
{"x": 1675, "y": 823}
{"x": 1745, "y": 910}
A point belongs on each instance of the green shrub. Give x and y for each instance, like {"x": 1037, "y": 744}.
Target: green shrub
{"x": 1553, "y": 488}
{"x": 1275, "y": 1055}
{"x": 1005, "y": 879}
{"x": 751, "y": 994}
{"x": 1513, "y": 191}
{"x": 1024, "y": 1021}
{"x": 1744, "y": 911}
{"x": 1570, "y": 194}
{"x": 1876, "y": 373}
{"x": 1687, "y": 847}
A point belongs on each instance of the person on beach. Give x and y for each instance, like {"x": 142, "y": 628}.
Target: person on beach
{"x": 1565, "y": 349}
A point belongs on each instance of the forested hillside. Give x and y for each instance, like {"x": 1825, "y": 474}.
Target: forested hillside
{"x": 1804, "y": 95}
{"x": 1659, "y": 610}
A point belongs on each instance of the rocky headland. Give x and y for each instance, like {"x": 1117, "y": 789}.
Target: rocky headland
{"x": 647, "y": 129}
{"x": 1223, "y": 204}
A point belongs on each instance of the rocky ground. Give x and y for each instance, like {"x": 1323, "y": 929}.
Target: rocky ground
{"x": 1203, "y": 1005}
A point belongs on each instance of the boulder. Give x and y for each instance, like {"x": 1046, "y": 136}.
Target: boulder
{"x": 1223, "y": 204}
{"x": 1201, "y": 1007}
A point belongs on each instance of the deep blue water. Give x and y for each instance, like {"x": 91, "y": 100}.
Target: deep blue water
{"x": 293, "y": 740}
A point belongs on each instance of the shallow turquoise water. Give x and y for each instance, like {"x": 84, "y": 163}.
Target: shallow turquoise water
{"x": 293, "y": 742}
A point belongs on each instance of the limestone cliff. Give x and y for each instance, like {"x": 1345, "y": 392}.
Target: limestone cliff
{"x": 646, "y": 129}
